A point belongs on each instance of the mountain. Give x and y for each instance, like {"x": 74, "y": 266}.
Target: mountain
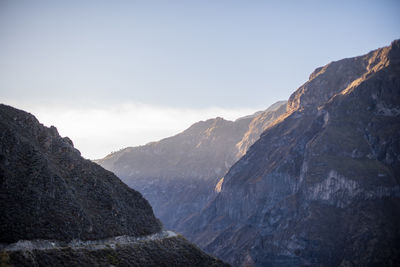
{"x": 60, "y": 209}
{"x": 258, "y": 125}
{"x": 178, "y": 174}
{"x": 321, "y": 187}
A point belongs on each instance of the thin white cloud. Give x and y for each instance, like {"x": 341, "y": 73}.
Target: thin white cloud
{"x": 98, "y": 130}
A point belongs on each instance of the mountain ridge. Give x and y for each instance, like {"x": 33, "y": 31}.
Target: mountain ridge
{"x": 178, "y": 174}
{"x": 321, "y": 185}
{"x": 60, "y": 209}
{"x": 30, "y": 154}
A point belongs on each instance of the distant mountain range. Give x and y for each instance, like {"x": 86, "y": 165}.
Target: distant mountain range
{"x": 178, "y": 174}
{"x": 58, "y": 209}
{"x": 319, "y": 187}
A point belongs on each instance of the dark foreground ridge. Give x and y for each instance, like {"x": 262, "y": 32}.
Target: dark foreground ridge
{"x": 49, "y": 191}
{"x": 58, "y": 209}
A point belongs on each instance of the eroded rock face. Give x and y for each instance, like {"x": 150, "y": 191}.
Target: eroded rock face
{"x": 333, "y": 78}
{"x": 258, "y": 125}
{"x": 178, "y": 174}
{"x": 48, "y": 191}
{"x": 321, "y": 187}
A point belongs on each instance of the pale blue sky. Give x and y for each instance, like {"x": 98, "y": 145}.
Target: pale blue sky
{"x": 178, "y": 54}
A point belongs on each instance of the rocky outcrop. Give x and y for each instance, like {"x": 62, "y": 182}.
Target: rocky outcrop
{"x": 258, "y": 125}
{"x": 336, "y": 77}
{"x": 178, "y": 174}
{"x": 58, "y": 209}
{"x": 321, "y": 187}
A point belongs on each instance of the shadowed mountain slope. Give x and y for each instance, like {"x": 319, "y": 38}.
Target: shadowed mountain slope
{"x": 50, "y": 195}
{"x": 321, "y": 187}
{"x": 49, "y": 191}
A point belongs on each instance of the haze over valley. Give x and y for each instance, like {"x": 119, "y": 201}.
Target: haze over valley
{"x": 212, "y": 133}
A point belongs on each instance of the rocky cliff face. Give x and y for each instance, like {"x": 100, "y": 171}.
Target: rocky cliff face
{"x": 258, "y": 125}
{"x": 178, "y": 174}
{"x": 321, "y": 187}
{"x": 56, "y": 201}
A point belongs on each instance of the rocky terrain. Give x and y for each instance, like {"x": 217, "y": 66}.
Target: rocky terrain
{"x": 178, "y": 174}
{"x": 49, "y": 191}
{"x": 53, "y": 201}
{"x": 161, "y": 249}
{"x": 258, "y": 125}
{"x": 321, "y": 187}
